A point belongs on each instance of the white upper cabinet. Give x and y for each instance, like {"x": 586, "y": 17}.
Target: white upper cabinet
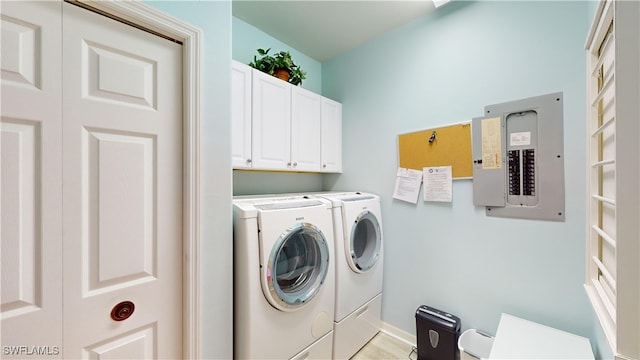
{"x": 271, "y": 132}
{"x": 331, "y": 136}
{"x": 305, "y": 130}
{"x": 240, "y": 115}
{"x": 281, "y": 127}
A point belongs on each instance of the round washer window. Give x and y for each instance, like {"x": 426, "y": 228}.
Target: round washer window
{"x": 297, "y": 266}
{"x": 365, "y": 242}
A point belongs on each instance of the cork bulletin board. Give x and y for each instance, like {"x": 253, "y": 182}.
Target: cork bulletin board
{"x": 449, "y": 145}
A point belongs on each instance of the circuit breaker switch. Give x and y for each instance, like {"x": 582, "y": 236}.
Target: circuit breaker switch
{"x": 514, "y": 172}
{"x": 529, "y": 172}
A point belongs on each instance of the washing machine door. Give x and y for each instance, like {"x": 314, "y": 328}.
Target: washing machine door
{"x": 297, "y": 267}
{"x": 365, "y": 242}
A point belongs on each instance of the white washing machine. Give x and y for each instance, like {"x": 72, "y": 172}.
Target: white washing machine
{"x": 284, "y": 277}
{"x": 358, "y": 234}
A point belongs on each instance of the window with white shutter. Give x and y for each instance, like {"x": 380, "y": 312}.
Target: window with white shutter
{"x": 613, "y": 212}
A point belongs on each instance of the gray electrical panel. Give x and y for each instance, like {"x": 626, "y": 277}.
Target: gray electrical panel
{"x": 518, "y": 159}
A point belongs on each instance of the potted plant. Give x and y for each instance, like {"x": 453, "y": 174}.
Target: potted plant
{"x": 280, "y": 65}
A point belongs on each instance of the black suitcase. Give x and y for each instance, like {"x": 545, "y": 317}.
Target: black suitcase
{"x": 437, "y": 334}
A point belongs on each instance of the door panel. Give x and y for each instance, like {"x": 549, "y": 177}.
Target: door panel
{"x": 305, "y": 129}
{"x": 271, "y": 116}
{"x": 20, "y": 236}
{"x": 122, "y": 177}
{"x": 135, "y": 83}
{"x": 240, "y": 115}
{"x": 31, "y": 180}
{"x": 136, "y": 345}
{"x": 331, "y": 135}
{"x": 119, "y": 174}
{"x": 20, "y": 46}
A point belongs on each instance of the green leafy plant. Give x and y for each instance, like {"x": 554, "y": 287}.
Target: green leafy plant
{"x": 279, "y": 61}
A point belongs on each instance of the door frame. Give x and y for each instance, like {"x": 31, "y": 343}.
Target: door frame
{"x": 139, "y": 14}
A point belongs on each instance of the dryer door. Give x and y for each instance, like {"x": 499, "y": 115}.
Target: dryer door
{"x": 297, "y": 267}
{"x": 365, "y": 242}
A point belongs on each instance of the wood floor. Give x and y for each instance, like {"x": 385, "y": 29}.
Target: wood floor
{"x": 383, "y": 346}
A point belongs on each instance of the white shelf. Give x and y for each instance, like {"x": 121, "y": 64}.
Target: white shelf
{"x": 517, "y": 338}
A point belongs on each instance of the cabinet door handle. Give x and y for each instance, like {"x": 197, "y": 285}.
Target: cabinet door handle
{"x": 249, "y": 161}
{"x": 288, "y": 164}
{"x": 295, "y": 164}
{"x": 324, "y": 165}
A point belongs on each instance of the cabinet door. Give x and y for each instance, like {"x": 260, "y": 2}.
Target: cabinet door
{"x": 271, "y": 117}
{"x": 305, "y": 130}
{"x": 240, "y": 115}
{"x": 331, "y": 136}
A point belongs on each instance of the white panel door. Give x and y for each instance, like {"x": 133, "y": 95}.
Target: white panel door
{"x": 271, "y": 116}
{"x": 31, "y": 180}
{"x": 331, "y": 136}
{"x": 240, "y": 115}
{"x": 305, "y": 130}
{"x": 122, "y": 190}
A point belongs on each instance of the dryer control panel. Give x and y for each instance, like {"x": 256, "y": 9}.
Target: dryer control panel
{"x": 518, "y": 160}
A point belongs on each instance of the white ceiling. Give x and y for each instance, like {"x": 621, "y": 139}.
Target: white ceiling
{"x": 323, "y": 29}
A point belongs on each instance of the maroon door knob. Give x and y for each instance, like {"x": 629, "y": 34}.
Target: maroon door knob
{"x": 122, "y": 311}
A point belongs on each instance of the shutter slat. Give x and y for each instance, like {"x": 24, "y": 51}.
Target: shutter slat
{"x": 603, "y": 163}
{"x": 603, "y": 126}
{"x": 606, "y": 237}
{"x": 605, "y": 273}
{"x": 607, "y": 85}
{"x": 605, "y": 49}
{"x": 611, "y": 309}
{"x": 604, "y": 199}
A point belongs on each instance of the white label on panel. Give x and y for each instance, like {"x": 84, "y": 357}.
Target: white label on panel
{"x": 520, "y": 139}
{"x": 491, "y": 143}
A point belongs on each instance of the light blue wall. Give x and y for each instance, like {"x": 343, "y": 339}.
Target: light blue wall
{"x": 258, "y": 182}
{"x": 216, "y": 302}
{"x": 246, "y": 39}
{"x": 442, "y": 69}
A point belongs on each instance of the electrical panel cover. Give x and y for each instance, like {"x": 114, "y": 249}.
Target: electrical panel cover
{"x": 518, "y": 159}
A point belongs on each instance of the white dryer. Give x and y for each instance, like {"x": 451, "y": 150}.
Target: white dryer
{"x": 359, "y": 249}
{"x": 284, "y": 278}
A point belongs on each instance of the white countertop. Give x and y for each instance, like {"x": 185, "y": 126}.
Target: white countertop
{"x": 517, "y": 338}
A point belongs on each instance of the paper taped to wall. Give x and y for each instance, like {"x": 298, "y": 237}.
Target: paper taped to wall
{"x": 407, "y": 185}
{"x": 437, "y": 184}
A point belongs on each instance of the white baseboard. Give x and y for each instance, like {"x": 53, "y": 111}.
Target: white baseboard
{"x": 398, "y": 334}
